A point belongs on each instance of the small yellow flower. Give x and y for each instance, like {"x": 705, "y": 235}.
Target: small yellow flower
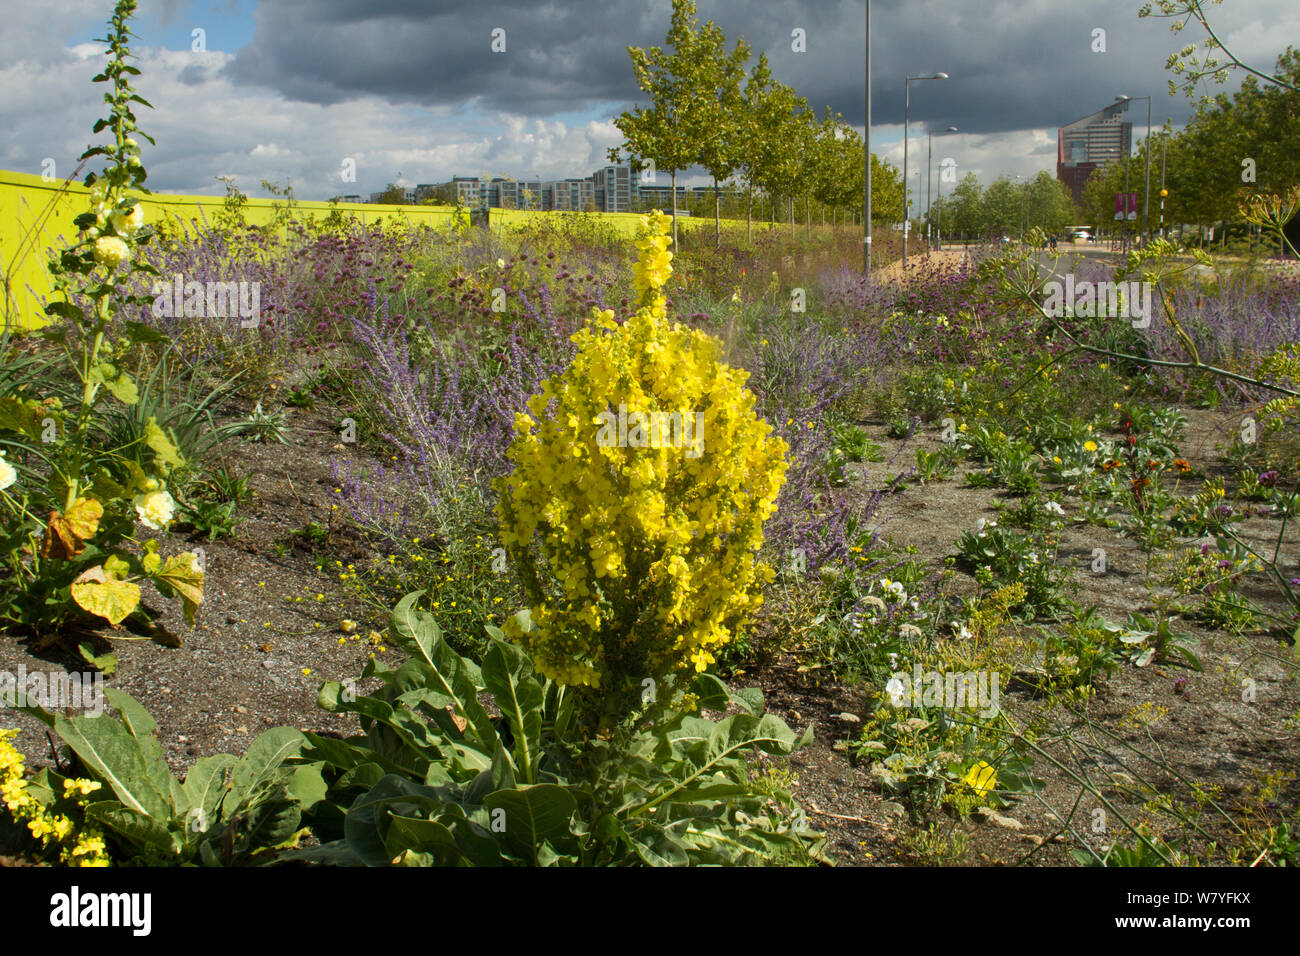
{"x": 981, "y": 778}
{"x": 126, "y": 224}
{"x": 155, "y": 509}
{"x": 1090, "y": 445}
{"x": 111, "y": 251}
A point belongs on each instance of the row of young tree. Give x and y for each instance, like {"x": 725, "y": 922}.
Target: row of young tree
{"x": 1234, "y": 146}
{"x": 1005, "y": 207}
{"x": 707, "y": 111}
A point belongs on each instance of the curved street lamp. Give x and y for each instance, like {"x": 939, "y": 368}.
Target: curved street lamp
{"x": 1146, "y": 194}
{"x": 907, "y": 103}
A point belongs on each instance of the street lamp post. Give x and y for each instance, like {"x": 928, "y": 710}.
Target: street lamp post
{"x": 1146, "y": 195}
{"x": 1164, "y": 155}
{"x": 1123, "y": 223}
{"x": 929, "y": 166}
{"x": 907, "y": 103}
{"x": 1025, "y": 228}
{"x": 866, "y": 140}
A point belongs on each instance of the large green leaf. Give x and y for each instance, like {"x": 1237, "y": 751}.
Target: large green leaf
{"x": 707, "y": 749}
{"x": 500, "y": 776}
{"x": 270, "y": 823}
{"x": 449, "y": 673}
{"x": 422, "y": 836}
{"x": 413, "y": 738}
{"x": 364, "y": 775}
{"x": 532, "y": 816}
{"x": 204, "y": 787}
{"x": 113, "y": 755}
{"x": 261, "y": 761}
{"x": 136, "y": 828}
{"x": 137, "y": 720}
{"x": 306, "y": 785}
{"x": 508, "y": 674}
{"x": 367, "y": 817}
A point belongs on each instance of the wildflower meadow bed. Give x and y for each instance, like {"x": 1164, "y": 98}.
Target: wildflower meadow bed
{"x": 558, "y": 548}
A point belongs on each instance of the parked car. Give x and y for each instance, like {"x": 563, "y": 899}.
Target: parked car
{"x": 1081, "y": 235}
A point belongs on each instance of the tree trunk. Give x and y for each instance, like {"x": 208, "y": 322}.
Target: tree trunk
{"x": 674, "y": 188}
{"x": 792, "y": 233}
{"x": 749, "y": 213}
{"x": 717, "y": 214}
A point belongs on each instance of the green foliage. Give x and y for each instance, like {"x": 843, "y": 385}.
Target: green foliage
{"x": 850, "y": 443}
{"x": 437, "y": 780}
{"x": 937, "y": 757}
{"x": 88, "y": 463}
{"x": 1006, "y": 208}
{"x": 260, "y": 426}
{"x": 228, "y": 811}
{"x": 210, "y": 504}
{"x": 1003, "y": 555}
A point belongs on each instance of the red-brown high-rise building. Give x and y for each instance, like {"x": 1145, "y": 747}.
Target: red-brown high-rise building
{"x": 1089, "y": 143}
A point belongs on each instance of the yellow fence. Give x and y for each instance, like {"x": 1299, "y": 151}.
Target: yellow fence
{"x": 36, "y": 217}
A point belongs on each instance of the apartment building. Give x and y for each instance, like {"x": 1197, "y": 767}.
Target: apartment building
{"x": 661, "y": 197}
{"x": 1089, "y": 143}
{"x": 617, "y": 188}
{"x": 569, "y": 195}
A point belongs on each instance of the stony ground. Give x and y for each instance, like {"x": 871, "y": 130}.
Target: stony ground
{"x": 268, "y": 635}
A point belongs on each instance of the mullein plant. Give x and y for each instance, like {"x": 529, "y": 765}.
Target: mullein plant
{"x": 640, "y": 561}
{"x": 29, "y": 805}
{"x": 69, "y": 500}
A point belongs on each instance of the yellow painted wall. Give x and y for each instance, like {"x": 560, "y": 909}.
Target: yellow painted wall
{"x": 36, "y": 216}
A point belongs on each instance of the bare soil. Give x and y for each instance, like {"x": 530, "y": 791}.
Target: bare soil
{"x": 268, "y": 635}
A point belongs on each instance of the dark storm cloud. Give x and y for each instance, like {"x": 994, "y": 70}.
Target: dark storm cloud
{"x": 559, "y": 57}
{"x": 1014, "y": 65}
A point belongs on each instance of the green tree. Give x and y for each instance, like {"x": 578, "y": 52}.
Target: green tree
{"x": 842, "y": 189}
{"x": 393, "y": 195}
{"x": 1002, "y": 209}
{"x": 785, "y": 130}
{"x": 1050, "y": 205}
{"x": 720, "y": 152}
{"x": 671, "y": 129}
{"x": 751, "y": 120}
{"x": 886, "y": 190}
{"x": 962, "y": 212}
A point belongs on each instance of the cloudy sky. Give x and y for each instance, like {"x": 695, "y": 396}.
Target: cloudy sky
{"x": 287, "y": 90}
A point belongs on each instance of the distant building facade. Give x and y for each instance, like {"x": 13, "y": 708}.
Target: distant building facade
{"x": 662, "y": 196}
{"x": 569, "y": 195}
{"x": 1089, "y": 143}
{"x": 617, "y": 188}
{"x": 609, "y": 189}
